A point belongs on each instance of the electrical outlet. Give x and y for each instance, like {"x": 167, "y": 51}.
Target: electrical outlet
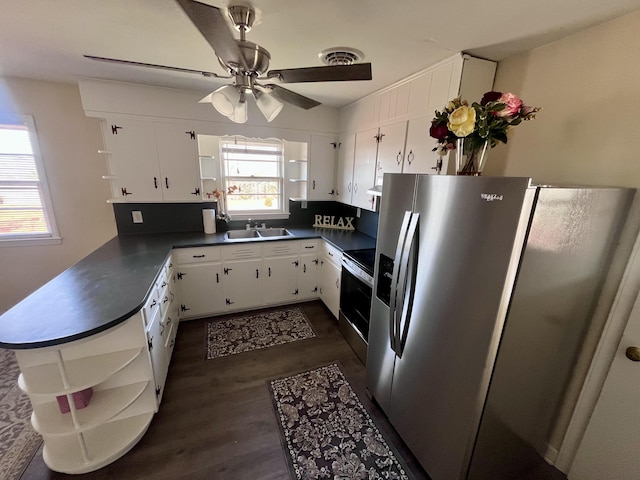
{"x": 303, "y": 204}
{"x": 358, "y": 212}
{"x": 137, "y": 216}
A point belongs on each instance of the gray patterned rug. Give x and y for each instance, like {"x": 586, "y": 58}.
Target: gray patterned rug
{"x": 256, "y": 331}
{"x": 18, "y": 440}
{"x": 327, "y": 431}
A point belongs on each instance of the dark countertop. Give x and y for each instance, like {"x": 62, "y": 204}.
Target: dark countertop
{"x": 111, "y": 284}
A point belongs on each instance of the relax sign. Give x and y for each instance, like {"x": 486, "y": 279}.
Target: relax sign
{"x": 329, "y": 221}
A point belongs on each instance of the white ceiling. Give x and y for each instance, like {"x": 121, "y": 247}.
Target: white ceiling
{"x": 45, "y": 39}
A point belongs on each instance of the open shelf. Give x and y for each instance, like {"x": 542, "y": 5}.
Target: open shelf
{"x": 103, "y": 407}
{"x": 104, "y": 444}
{"x": 81, "y": 373}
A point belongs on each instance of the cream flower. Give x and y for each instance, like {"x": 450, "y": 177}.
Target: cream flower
{"x": 462, "y": 121}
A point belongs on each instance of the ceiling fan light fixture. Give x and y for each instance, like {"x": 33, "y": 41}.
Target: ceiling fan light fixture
{"x": 341, "y": 56}
{"x": 268, "y": 105}
{"x": 239, "y": 114}
{"x": 224, "y": 99}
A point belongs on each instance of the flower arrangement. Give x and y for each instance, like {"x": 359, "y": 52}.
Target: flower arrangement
{"x": 220, "y": 196}
{"x": 487, "y": 122}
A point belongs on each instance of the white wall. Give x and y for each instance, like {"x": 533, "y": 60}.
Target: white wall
{"x": 69, "y": 142}
{"x": 587, "y": 133}
{"x": 588, "y": 86}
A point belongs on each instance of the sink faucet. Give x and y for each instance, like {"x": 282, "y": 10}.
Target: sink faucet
{"x": 249, "y": 226}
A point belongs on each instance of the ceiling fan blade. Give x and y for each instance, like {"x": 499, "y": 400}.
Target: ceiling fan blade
{"x": 153, "y": 65}
{"x": 331, "y": 73}
{"x": 213, "y": 27}
{"x": 290, "y": 97}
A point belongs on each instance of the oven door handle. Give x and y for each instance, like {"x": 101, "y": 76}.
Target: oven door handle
{"x": 393, "y": 300}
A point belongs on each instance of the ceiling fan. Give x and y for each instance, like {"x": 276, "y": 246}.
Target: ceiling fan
{"x": 247, "y": 64}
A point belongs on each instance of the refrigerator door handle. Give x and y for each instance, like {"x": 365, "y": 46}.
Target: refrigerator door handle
{"x": 407, "y": 288}
{"x": 397, "y": 262}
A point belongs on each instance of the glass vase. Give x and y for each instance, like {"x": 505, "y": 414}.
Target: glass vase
{"x": 470, "y": 158}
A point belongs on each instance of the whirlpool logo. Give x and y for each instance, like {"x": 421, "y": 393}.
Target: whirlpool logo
{"x": 491, "y": 197}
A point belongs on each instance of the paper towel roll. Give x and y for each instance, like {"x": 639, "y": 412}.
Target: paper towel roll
{"x": 209, "y": 220}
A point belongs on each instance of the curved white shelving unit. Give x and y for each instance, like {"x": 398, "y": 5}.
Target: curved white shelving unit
{"x": 103, "y": 445}
{"x": 103, "y": 407}
{"x": 125, "y": 366}
{"x": 80, "y": 373}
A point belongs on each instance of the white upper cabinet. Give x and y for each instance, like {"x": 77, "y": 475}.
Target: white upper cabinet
{"x": 321, "y": 168}
{"x": 177, "y": 157}
{"x": 419, "y": 156}
{"x": 151, "y": 161}
{"x": 344, "y": 171}
{"x": 403, "y": 114}
{"x": 391, "y": 139}
{"x": 364, "y": 165}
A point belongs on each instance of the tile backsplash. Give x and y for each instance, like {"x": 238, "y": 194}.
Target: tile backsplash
{"x": 187, "y": 217}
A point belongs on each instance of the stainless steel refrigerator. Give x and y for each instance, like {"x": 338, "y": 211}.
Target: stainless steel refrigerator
{"x": 484, "y": 287}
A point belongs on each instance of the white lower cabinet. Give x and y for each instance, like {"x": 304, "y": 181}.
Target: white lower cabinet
{"x": 242, "y": 283}
{"x": 280, "y": 283}
{"x": 117, "y": 365}
{"x": 214, "y": 280}
{"x": 329, "y": 277}
{"x": 308, "y": 276}
{"x": 201, "y": 289}
{"x": 157, "y": 352}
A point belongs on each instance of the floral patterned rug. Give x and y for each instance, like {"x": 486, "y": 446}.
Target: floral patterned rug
{"x": 256, "y": 331}
{"x": 18, "y": 440}
{"x": 327, "y": 431}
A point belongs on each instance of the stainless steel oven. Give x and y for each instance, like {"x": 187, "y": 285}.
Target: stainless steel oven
{"x": 356, "y": 289}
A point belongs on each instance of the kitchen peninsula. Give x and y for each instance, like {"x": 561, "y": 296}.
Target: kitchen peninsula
{"x": 108, "y": 324}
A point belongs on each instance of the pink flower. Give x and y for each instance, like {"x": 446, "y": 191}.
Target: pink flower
{"x": 513, "y": 105}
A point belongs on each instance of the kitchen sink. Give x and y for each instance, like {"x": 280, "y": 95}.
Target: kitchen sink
{"x": 274, "y": 232}
{"x": 237, "y": 234}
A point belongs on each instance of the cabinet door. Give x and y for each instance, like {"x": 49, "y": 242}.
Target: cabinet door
{"x": 280, "y": 283}
{"x": 178, "y": 160}
{"x": 157, "y": 353}
{"x": 330, "y": 285}
{"x": 322, "y": 167}
{"x": 344, "y": 172}
{"x": 308, "y": 276}
{"x": 201, "y": 292}
{"x": 364, "y": 168}
{"x": 390, "y": 149}
{"x": 133, "y": 160}
{"x": 419, "y": 154}
{"x": 242, "y": 282}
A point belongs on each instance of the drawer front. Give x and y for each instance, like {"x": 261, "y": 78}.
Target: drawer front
{"x": 246, "y": 250}
{"x": 331, "y": 253}
{"x": 271, "y": 249}
{"x": 309, "y": 246}
{"x": 196, "y": 255}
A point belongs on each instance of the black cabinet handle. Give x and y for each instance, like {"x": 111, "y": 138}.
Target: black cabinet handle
{"x": 153, "y": 304}
{"x": 296, "y": 263}
{"x": 150, "y": 344}
{"x": 196, "y": 191}
{"x": 180, "y": 275}
{"x": 192, "y": 134}
{"x": 309, "y": 246}
{"x": 183, "y": 308}
{"x": 199, "y": 256}
{"x": 304, "y": 268}
{"x": 257, "y": 273}
{"x": 166, "y": 299}
{"x": 155, "y": 182}
{"x": 114, "y": 129}
{"x": 228, "y": 301}
{"x": 269, "y": 271}
{"x": 166, "y": 182}
{"x": 313, "y": 185}
{"x": 124, "y": 192}
{"x": 164, "y": 284}
{"x": 227, "y": 270}
{"x": 217, "y": 278}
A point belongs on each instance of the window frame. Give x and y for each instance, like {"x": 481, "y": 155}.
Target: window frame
{"x": 283, "y": 211}
{"x": 33, "y": 239}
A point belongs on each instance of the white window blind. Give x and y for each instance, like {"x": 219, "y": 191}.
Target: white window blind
{"x": 253, "y": 175}
{"x": 25, "y": 211}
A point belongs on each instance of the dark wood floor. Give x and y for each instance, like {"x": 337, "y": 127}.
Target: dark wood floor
{"x": 216, "y": 420}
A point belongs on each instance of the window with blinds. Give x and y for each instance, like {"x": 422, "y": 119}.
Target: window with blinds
{"x": 25, "y": 212}
{"x": 253, "y": 173}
